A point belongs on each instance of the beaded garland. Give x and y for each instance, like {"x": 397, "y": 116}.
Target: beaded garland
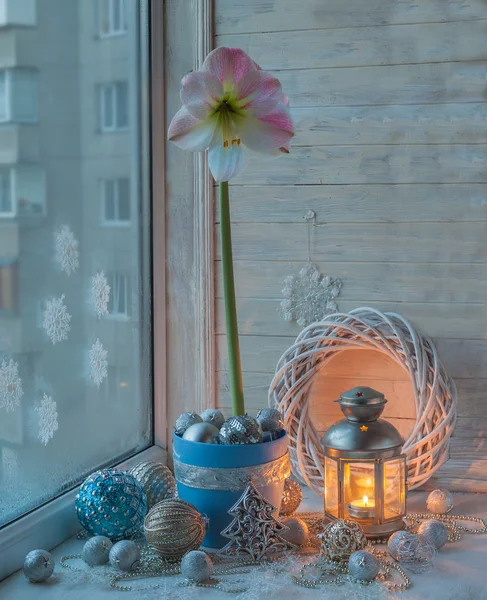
{"x": 111, "y": 503}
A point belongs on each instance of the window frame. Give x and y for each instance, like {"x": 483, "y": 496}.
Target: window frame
{"x": 112, "y": 32}
{"x": 114, "y": 87}
{"x": 9, "y": 82}
{"x": 113, "y": 278}
{"x": 116, "y": 222}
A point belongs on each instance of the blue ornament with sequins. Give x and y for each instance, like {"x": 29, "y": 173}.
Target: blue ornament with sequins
{"x": 111, "y": 503}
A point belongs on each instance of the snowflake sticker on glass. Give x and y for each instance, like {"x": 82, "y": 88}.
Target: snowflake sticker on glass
{"x": 56, "y": 320}
{"x": 48, "y": 424}
{"x": 67, "y": 253}
{"x": 10, "y": 385}
{"x": 309, "y": 296}
{"x": 98, "y": 362}
{"x": 100, "y": 294}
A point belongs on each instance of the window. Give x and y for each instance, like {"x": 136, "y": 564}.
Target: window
{"x": 115, "y": 201}
{"x": 22, "y": 191}
{"x": 6, "y": 199}
{"x": 18, "y": 95}
{"x": 114, "y": 106}
{"x": 8, "y": 286}
{"x": 119, "y": 303}
{"x": 112, "y": 18}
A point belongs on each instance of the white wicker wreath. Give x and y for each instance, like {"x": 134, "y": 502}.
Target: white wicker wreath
{"x": 366, "y": 329}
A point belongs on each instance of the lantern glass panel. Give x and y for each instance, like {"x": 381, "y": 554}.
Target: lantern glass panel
{"x": 331, "y": 486}
{"x": 359, "y": 489}
{"x": 394, "y": 488}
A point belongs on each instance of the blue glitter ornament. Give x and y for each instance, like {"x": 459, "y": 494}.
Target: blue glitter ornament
{"x": 111, "y": 503}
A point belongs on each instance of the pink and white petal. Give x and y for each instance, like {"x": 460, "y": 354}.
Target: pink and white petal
{"x": 259, "y": 92}
{"x": 280, "y": 117}
{"x": 226, "y": 163}
{"x": 190, "y": 133}
{"x": 228, "y": 64}
{"x": 200, "y": 93}
{"x": 263, "y": 137}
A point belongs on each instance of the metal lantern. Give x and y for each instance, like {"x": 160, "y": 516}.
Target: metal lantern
{"x": 365, "y": 472}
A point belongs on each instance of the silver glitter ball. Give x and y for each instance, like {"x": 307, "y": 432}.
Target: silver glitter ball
{"x": 240, "y": 430}
{"x": 38, "y": 565}
{"x": 440, "y": 502}
{"x": 156, "y": 480}
{"x": 197, "y": 566}
{"x": 341, "y": 538}
{"x": 394, "y": 540}
{"x": 298, "y": 532}
{"x": 435, "y": 532}
{"x": 270, "y": 419}
{"x": 415, "y": 553}
{"x": 96, "y": 550}
{"x": 363, "y": 565}
{"x": 186, "y": 420}
{"x": 202, "y": 432}
{"x": 213, "y": 416}
{"x": 125, "y": 555}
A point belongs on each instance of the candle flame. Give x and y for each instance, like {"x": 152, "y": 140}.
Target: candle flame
{"x": 366, "y": 500}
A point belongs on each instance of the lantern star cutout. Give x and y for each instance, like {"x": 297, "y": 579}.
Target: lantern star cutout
{"x": 364, "y": 428}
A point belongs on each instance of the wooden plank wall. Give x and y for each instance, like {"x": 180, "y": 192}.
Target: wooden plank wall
{"x": 389, "y": 102}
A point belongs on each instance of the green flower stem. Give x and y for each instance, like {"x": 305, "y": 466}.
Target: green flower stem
{"x": 234, "y": 364}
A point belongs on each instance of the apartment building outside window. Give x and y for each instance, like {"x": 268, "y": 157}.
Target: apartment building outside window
{"x": 115, "y": 201}
{"x": 113, "y": 20}
{"x": 113, "y": 106}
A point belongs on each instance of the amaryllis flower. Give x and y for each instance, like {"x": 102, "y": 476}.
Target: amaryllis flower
{"x": 229, "y": 104}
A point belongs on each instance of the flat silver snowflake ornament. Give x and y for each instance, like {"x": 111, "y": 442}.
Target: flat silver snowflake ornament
{"x": 309, "y": 296}
{"x": 98, "y": 362}
{"x": 10, "y": 385}
{"x": 48, "y": 424}
{"x": 100, "y": 294}
{"x": 67, "y": 253}
{"x": 56, "y": 320}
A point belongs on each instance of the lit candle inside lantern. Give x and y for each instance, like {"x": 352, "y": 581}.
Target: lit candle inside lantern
{"x": 362, "y": 509}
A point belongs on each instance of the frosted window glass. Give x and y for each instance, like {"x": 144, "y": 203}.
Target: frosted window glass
{"x": 74, "y": 294}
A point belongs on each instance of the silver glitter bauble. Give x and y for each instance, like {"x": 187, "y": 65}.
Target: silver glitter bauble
{"x": 440, "y": 502}
{"x": 341, "y": 539}
{"x": 96, "y": 550}
{"x": 213, "y": 416}
{"x": 156, "y": 480}
{"x": 270, "y": 419}
{"x": 205, "y": 433}
{"x": 292, "y": 497}
{"x": 186, "y": 420}
{"x": 394, "y": 540}
{"x": 435, "y": 532}
{"x": 298, "y": 532}
{"x": 363, "y": 565}
{"x": 125, "y": 555}
{"x": 415, "y": 553}
{"x": 240, "y": 430}
{"x": 38, "y": 565}
{"x": 197, "y": 566}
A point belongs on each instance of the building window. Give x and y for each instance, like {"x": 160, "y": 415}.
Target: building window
{"x": 115, "y": 201}
{"x": 18, "y": 96}
{"x": 22, "y": 191}
{"x": 8, "y": 286}
{"x": 113, "y": 18}
{"x": 119, "y": 304}
{"x": 114, "y": 106}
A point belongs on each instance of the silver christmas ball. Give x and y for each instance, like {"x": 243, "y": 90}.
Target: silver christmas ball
{"x": 156, "y": 480}
{"x": 415, "y": 553}
{"x": 213, "y": 416}
{"x": 341, "y": 538}
{"x": 38, "y": 565}
{"x": 394, "y": 540}
{"x": 440, "y": 502}
{"x": 125, "y": 555}
{"x": 186, "y": 420}
{"x": 292, "y": 496}
{"x": 96, "y": 551}
{"x": 298, "y": 532}
{"x": 363, "y": 565}
{"x": 270, "y": 419}
{"x": 240, "y": 430}
{"x": 435, "y": 532}
{"x": 202, "y": 432}
{"x": 197, "y": 566}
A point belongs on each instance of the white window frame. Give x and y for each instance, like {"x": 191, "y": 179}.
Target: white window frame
{"x": 116, "y": 222}
{"x": 14, "y": 172}
{"x": 112, "y": 30}
{"x": 9, "y": 81}
{"x": 9, "y": 214}
{"x": 103, "y": 88}
{"x": 114, "y": 295}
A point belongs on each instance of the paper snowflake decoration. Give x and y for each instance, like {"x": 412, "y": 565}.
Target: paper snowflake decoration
{"x": 309, "y": 296}
{"x": 100, "y": 294}
{"x": 67, "y": 254}
{"x": 10, "y": 385}
{"x": 56, "y": 320}
{"x": 98, "y": 362}
{"x": 48, "y": 424}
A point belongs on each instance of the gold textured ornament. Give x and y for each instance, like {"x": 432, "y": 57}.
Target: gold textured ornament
{"x": 341, "y": 539}
{"x": 174, "y": 527}
{"x": 291, "y": 497}
{"x": 156, "y": 480}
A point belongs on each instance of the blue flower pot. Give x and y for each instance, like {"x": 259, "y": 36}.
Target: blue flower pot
{"x": 215, "y": 503}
